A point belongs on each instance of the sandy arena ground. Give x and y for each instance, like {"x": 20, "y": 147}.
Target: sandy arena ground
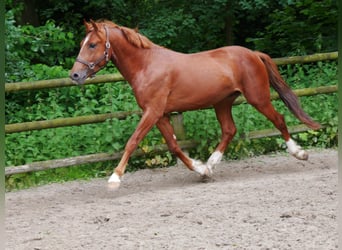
{"x": 266, "y": 202}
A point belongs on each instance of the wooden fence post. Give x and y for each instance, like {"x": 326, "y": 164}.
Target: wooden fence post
{"x": 178, "y": 127}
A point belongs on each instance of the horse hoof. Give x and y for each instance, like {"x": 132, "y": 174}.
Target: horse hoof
{"x": 207, "y": 178}
{"x": 301, "y": 155}
{"x": 113, "y": 186}
{"x": 201, "y": 168}
{"x": 208, "y": 172}
{"x": 296, "y": 150}
{"x": 114, "y": 182}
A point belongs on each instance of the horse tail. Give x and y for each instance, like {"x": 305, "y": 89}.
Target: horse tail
{"x": 285, "y": 93}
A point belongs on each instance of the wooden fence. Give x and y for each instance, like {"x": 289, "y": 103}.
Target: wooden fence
{"x": 177, "y": 119}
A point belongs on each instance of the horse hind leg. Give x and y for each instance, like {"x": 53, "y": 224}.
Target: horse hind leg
{"x": 256, "y": 89}
{"x": 167, "y": 131}
{"x": 228, "y": 129}
{"x": 278, "y": 120}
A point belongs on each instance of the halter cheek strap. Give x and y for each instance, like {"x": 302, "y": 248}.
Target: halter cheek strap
{"x": 91, "y": 65}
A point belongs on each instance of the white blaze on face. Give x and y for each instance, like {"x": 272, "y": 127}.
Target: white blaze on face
{"x": 86, "y": 40}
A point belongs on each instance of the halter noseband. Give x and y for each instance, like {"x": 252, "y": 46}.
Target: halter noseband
{"x": 91, "y": 65}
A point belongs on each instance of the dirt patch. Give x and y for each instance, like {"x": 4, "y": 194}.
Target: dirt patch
{"x": 267, "y": 202}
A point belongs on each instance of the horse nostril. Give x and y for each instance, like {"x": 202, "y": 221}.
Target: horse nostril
{"x": 78, "y": 76}
{"x": 75, "y": 76}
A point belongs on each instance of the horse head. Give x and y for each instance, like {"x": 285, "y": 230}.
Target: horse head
{"x": 94, "y": 53}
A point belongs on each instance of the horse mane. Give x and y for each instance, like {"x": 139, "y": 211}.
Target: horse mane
{"x": 131, "y": 35}
{"x": 136, "y": 39}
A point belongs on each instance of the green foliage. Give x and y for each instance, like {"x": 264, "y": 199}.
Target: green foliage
{"x": 299, "y": 27}
{"x": 175, "y": 23}
{"x": 281, "y": 27}
{"x": 15, "y": 66}
{"x": 27, "y": 45}
{"x": 47, "y": 44}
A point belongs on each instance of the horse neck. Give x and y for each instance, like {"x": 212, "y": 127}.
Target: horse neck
{"x": 129, "y": 59}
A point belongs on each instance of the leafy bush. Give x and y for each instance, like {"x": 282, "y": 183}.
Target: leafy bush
{"x": 46, "y": 44}
{"x": 15, "y": 66}
{"x": 26, "y": 45}
{"x": 299, "y": 27}
{"x": 182, "y": 21}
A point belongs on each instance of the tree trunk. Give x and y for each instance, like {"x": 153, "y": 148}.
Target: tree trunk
{"x": 29, "y": 15}
{"x": 229, "y": 26}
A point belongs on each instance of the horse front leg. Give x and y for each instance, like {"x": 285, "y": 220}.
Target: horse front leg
{"x": 146, "y": 123}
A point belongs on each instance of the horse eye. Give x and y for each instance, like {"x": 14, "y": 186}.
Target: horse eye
{"x": 92, "y": 45}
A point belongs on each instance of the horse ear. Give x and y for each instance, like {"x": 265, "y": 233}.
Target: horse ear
{"x": 87, "y": 25}
{"x": 94, "y": 25}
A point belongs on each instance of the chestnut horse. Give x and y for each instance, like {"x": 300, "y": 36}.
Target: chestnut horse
{"x": 165, "y": 81}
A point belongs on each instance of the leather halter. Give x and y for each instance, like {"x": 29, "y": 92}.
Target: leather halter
{"x": 91, "y": 65}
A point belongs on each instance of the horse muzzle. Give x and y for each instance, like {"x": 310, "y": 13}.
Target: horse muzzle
{"x": 79, "y": 77}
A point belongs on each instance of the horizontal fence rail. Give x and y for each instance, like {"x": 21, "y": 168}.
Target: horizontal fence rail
{"x": 101, "y": 157}
{"x": 306, "y": 59}
{"x": 85, "y": 159}
{"x": 177, "y": 119}
{"x": 65, "y": 122}
{"x": 88, "y": 119}
{"x": 67, "y": 82}
{"x": 59, "y": 83}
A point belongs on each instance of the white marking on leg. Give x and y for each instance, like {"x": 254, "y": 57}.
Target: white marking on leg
{"x": 114, "y": 178}
{"x": 214, "y": 159}
{"x": 114, "y": 182}
{"x": 200, "y": 168}
{"x": 174, "y": 137}
{"x": 296, "y": 150}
